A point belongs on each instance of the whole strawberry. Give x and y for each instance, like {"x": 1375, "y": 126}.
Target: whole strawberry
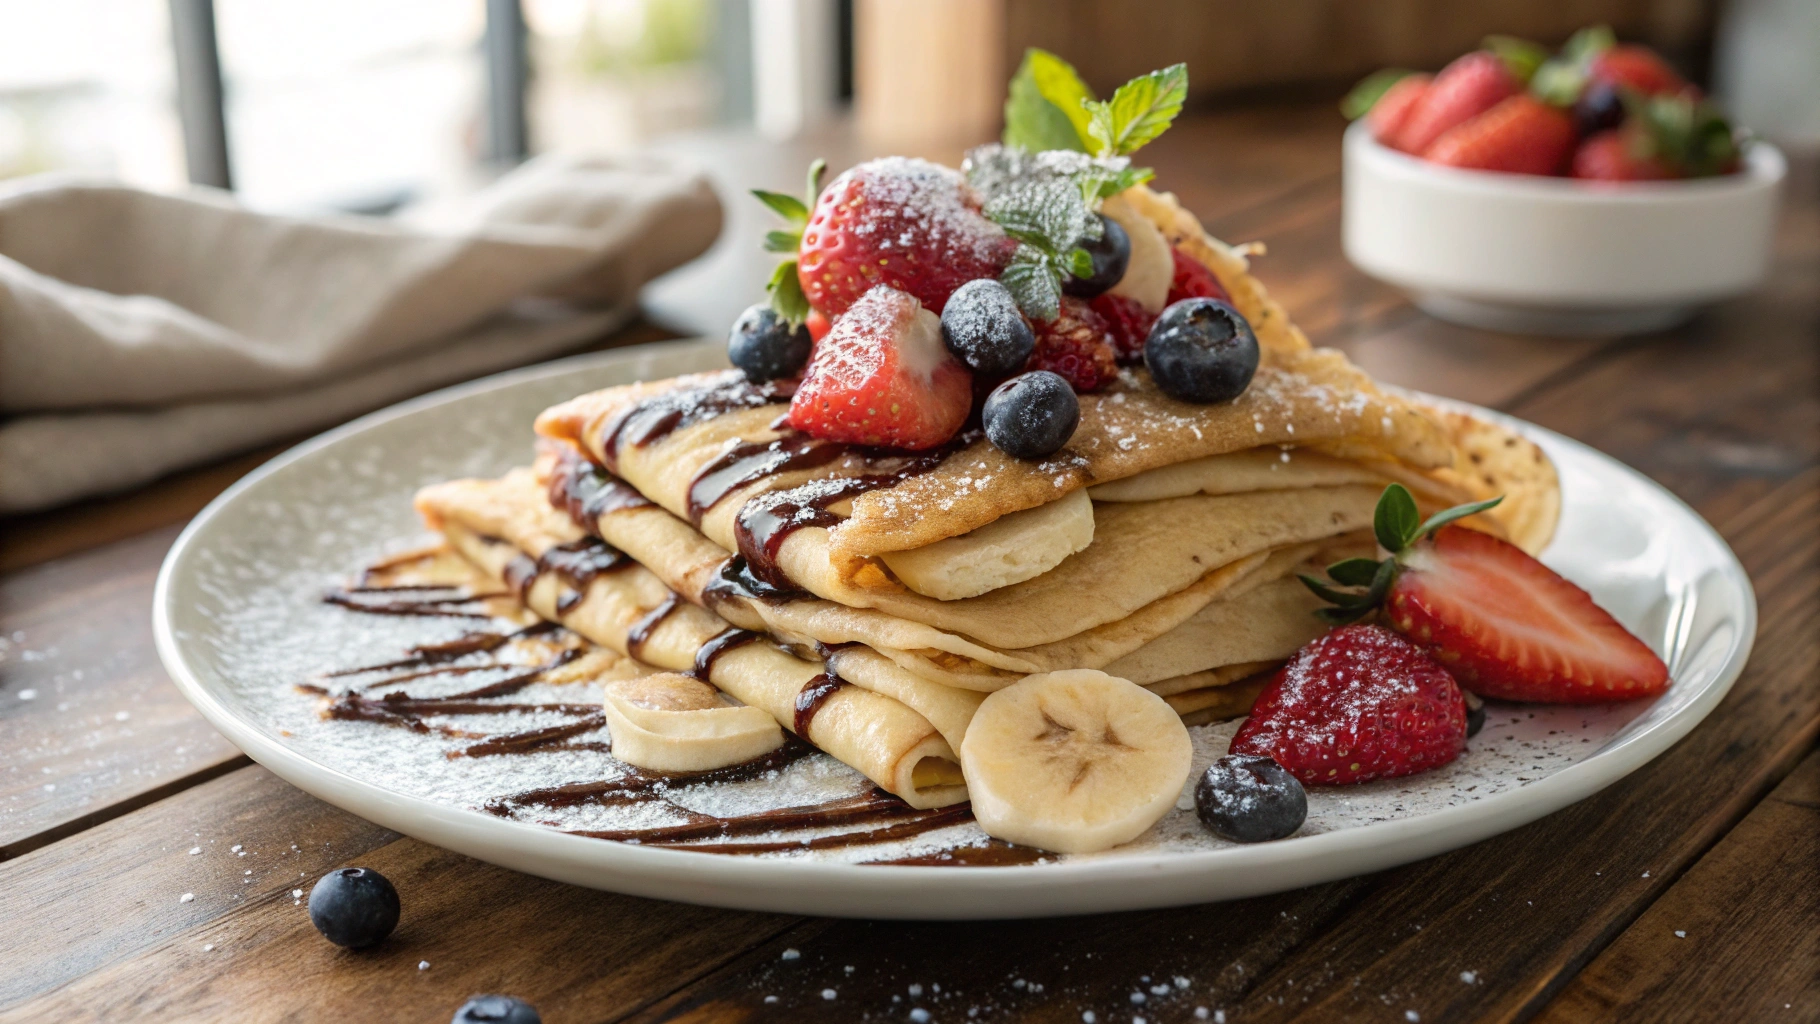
{"x": 1193, "y": 281}
{"x": 1635, "y": 67}
{"x": 1521, "y": 135}
{"x": 910, "y": 224}
{"x": 1614, "y": 156}
{"x": 1358, "y": 704}
{"x": 1077, "y": 345}
{"x": 1391, "y": 111}
{"x": 1128, "y": 324}
{"x": 1503, "y": 624}
{"x": 1464, "y": 89}
{"x": 883, "y": 377}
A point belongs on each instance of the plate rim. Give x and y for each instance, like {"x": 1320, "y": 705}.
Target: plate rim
{"x": 940, "y": 892}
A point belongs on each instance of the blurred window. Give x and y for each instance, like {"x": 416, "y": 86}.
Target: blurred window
{"x": 610, "y": 74}
{"x": 87, "y": 86}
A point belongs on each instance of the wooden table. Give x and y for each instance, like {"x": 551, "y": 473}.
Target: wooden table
{"x": 1689, "y": 891}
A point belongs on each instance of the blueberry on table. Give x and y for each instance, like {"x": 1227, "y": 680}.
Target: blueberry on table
{"x": 983, "y": 328}
{"x": 496, "y": 1010}
{"x": 1110, "y": 253}
{"x": 765, "y": 346}
{"x": 1247, "y": 798}
{"x": 354, "y": 907}
{"x": 1031, "y": 415}
{"x": 1201, "y": 350}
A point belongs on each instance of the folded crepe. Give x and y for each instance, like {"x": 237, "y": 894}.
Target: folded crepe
{"x": 510, "y": 532}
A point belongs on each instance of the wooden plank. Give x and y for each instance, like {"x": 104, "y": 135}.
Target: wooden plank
{"x": 89, "y": 723}
{"x": 97, "y": 929}
{"x": 1737, "y": 935}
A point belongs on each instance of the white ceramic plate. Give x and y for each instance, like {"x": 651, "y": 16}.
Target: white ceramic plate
{"x": 238, "y": 620}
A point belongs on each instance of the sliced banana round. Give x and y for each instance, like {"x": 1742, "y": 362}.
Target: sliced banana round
{"x": 673, "y": 723}
{"x": 1074, "y": 761}
{"x": 1152, "y": 266}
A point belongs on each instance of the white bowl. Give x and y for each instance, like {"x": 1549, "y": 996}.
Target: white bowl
{"x": 1542, "y": 255}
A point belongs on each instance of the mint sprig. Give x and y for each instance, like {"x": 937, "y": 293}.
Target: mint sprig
{"x": 1050, "y": 217}
{"x": 1398, "y": 526}
{"x": 785, "y": 287}
{"x": 1138, "y": 112}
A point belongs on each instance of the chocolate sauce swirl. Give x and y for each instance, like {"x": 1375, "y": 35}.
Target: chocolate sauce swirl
{"x": 657, "y": 416}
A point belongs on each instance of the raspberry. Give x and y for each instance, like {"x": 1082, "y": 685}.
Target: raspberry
{"x": 1193, "y": 281}
{"x": 1078, "y": 345}
{"x": 1128, "y": 322}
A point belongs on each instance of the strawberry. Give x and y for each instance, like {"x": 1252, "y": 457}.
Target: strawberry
{"x": 1193, "y": 281}
{"x": 1612, "y": 156}
{"x": 1078, "y": 344}
{"x": 1464, "y": 89}
{"x": 1635, "y": 67}
{"x": 1521, "y": 135}
{"x": 1128, "y": 323}
{"x": 1503, "y": 623}
{"x": 1507, "y": 626}
{"x": 819, "y": 325}
{"x": 1388, "y": 115}
{"x": 883, "y": 377}
{"x": 1358, "y": 704}
{"x": 910, "y": 224}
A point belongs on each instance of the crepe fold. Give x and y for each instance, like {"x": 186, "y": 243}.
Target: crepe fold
{"x": 503, "y": 525}
{"x": 1309, "y": 397}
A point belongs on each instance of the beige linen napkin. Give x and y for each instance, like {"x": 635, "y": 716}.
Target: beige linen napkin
{"x": 142, "y": 332}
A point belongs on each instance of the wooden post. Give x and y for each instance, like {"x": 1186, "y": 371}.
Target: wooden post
{"x": 928, "y": 74}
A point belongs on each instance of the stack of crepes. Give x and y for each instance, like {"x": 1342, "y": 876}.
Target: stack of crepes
{"x": 869, "y": 601}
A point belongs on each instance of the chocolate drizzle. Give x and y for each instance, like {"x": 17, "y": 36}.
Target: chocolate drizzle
{"x": 748, "y": 463}
{"x": 587, "y": 492}
{"x": 657, "y": 416}
{"x": 577, "y": 563}
{"x": 734, "y": 579}
{"x": 639, "y": 633}
{"x": 718, "y": 644}
{"x": 813, "y": 695}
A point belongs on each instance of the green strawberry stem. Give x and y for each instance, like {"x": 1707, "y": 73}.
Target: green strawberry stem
{"x": 1398, "y": 525}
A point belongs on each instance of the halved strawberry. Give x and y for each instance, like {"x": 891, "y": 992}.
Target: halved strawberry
{"x": 1193, "y": 281}
{"x": 1521, "y": 135}
{"x": 1464, "y": 89}
{"x": 1503, "y": 623}
{"x": 1358, "y": 704}
{"x": 819, "y": 325}
{"x": 910, "y": 224}
{"x": 882, "y": 376}
{"x": 1507, "y": 626}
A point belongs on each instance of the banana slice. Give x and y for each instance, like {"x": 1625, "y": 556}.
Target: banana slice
{"x": 1074, "y": 761}
{"x": 1152, "y": 267}
{"x": 670, "y": 722}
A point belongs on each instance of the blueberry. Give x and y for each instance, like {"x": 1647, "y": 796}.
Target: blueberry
{"x": 496, "y": 1010}
{"x": 1250, "y": 799}
{"x": 354, "y": 907}
{"x": 1032, "y": 415}
{"x": 984, "y": 329}
{"x": 1475, "y": 713}
{"x": 1111, "y": 254}
{"x": 1598, "y": 109}
{"x": 765, "y": 346}
{"x": 1201, "y": 350}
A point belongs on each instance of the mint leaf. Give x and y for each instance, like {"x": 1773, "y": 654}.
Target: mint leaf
{"x": 1395, "y": 521}
{"x": 1368, "y": 92}
{"x": 1139, "y": 111}
{"x": 1046, "y": 213}
{"x": 1043, "y": 108}
{"x": 787, "y": 293}
{"x": 1588, "y": 43}
{"x": 1035, "y": 283}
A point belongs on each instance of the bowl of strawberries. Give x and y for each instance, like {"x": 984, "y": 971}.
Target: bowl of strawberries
{"x": 1593, "y": 190}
